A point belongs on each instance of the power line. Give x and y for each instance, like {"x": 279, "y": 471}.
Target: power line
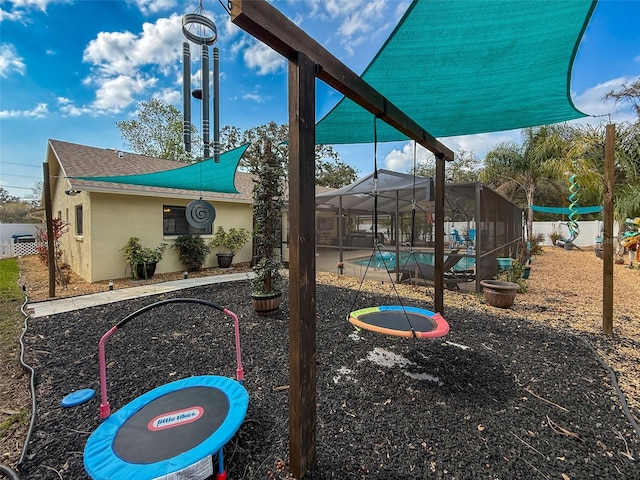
{"x": 22, "y": 176}
{"x": 15, "y": 186}
{"x": 21, "y": 164}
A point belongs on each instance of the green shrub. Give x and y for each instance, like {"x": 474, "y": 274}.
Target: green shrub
{"x": 514, "y": 275}
{"x": 230, "y": 241}
{"x": 192, "y": 251}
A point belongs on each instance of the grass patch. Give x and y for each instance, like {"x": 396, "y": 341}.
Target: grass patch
{"x": 11, "y": 322}
{"x": 9, "y": 275}
{"x": 11, "y": 298}
{"x": 22, "y": 417}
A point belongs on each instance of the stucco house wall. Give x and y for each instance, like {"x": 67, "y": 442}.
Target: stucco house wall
{"x": 112, "y": 213}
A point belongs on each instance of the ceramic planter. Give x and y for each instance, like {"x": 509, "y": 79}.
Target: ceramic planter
{"x": 145, "y": 270}
{"x": 224, "y": 259}
{"x": 498, "y": 293}
{"x": 504, "y": 263}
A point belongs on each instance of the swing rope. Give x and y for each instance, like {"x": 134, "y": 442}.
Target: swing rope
{"x": 377, "y": 245}
{"x": 413, "y": 223}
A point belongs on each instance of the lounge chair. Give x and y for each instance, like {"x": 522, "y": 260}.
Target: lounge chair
{"x": 424, "y": 273}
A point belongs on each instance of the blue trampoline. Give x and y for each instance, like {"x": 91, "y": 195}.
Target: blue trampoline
{"x": 172, "y": 431}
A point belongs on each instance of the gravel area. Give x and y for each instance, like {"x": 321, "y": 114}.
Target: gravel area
{"x": 517, "y": 393}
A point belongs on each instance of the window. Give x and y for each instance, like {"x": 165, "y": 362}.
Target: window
{"x": 174, "y": 222}
{"x": 79, "y": 220}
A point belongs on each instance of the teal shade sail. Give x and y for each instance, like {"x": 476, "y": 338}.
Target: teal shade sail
{"x": 205, "y": 176}
{"x": 470, "y": 66}
{"x": 566, "y": 210}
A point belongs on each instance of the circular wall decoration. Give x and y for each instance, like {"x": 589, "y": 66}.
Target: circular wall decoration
{"x": 200, "y": 214}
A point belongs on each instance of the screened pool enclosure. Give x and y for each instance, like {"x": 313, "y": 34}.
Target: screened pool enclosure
{"x": 480, "y": 225}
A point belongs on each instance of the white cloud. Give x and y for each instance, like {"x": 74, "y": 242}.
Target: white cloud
{"x": 154, "y": 6}
{"x": 117, "y": 93}
{"x": 125, "y": 64}
{"x": 67, "y": 108}
{"x": 10, "y": 61}
{"x": 123, "y": 53}
{"x": 592, "y": 102}
{"x": 357, "y": 20}
{"x": 20, "y": 9}
{"x": 39, "y": 111}
{"x": 256, "y": 97}
{"x": 170, "y": 96}
{"x": 402, "y": 160}
{"x": 262, "y": 58}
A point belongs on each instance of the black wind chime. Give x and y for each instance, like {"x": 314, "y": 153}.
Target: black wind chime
{"x": 200, "y": 30}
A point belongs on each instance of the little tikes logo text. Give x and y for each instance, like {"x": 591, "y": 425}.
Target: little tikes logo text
{"x": 175, "y": 419}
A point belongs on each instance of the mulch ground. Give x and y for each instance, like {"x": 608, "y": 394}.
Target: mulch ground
{"x": 517, "y": 393}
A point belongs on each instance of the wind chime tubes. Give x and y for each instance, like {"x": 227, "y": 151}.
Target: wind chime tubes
{"x": 201, "y": 30}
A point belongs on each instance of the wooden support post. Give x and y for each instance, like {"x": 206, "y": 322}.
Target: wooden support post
{"x": 438, "y": 264}
{"x": 308, "y": 59}
{"x": 51, "y": 252}
{"x": 302, "y": 266}
{"x": 607, "y": 237}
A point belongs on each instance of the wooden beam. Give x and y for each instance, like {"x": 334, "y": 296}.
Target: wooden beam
{"x": 607, "y": 234}
{"x": 51, "y": 241}
{"x": 308, "y": 60}
{"x": 267, "y": 24}
{"x": 302, "y": 266}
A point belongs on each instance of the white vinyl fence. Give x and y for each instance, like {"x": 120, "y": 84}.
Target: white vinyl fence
{"x": 18, "y": 239}
{"x": 589, "y": 231}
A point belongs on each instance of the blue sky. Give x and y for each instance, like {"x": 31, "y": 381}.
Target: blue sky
{"x": 70, "y": 69}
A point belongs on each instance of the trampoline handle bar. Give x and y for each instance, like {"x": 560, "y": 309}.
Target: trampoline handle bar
{"x": 105, "y": 409}
{"x": 236, "y": 326}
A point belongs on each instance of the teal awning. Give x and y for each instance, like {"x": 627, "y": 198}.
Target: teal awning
{"x": 471, "y": 66}
{"x": 566, "y": 210}
{"x": 206, "y": 176}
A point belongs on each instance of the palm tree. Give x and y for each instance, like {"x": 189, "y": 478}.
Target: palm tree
{"x": 516, "y": 170}
{"x": 588, "y": 146}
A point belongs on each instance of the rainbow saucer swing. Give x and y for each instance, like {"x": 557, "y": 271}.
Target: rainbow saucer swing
{"x": 400, "y": 321}
{"x": 395, "y": 320}
{"x": 173, "y": 431}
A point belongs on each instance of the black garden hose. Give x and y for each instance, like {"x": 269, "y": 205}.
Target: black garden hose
{"x": 5, "y": 471}
{"x": 616, "y": 387}
{"x": 32, "y": 383}
{"x": 8, "y": 473}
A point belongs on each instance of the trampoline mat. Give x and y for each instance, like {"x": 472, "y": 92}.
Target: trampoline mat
{"x": 171, "y": 424}
{"x": 167, "y": 430}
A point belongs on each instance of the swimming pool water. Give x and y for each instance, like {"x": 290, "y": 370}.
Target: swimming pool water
{"x": 388, "y": 259}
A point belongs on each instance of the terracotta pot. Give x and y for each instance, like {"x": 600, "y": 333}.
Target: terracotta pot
{"x": 266, "y": 305}
{"x": 498, "y": 293}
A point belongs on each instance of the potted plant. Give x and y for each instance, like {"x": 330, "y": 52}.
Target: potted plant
{"x": 142, "y": 260}
{"x": 192, "y": 251}
{"x": 266, "y": 287}
{"x": 228, "y": 242}
{"x": 554, "y": 236}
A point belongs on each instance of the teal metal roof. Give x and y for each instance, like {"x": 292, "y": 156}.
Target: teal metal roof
{"x": 206, "y": 176}
{"x": 460, "y": 67}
